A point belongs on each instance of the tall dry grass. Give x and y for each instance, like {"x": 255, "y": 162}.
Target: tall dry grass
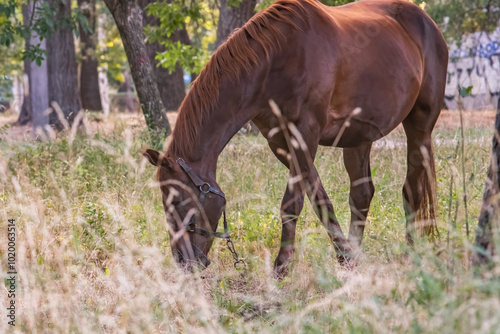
{"x": 93, "y": 253}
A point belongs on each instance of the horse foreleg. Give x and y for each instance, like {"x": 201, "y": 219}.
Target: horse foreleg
{"x": 304, "y": 179}
{"x": 291, "y": 206}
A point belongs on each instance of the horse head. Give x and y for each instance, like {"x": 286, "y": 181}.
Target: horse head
{"x": 192, "y": 206}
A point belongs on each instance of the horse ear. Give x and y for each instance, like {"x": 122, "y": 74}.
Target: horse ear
{"x": 152, "y": 156}
{"x": 157, "y": 159}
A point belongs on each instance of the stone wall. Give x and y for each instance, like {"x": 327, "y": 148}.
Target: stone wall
{"x": 475, "y": 63}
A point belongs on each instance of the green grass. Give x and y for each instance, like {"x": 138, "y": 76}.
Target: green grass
{"x": 93, "y": 252}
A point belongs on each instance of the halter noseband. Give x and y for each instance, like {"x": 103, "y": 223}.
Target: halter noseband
{"x": 205, "y": 188}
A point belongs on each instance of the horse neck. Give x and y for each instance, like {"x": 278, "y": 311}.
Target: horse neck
{"x": 226, "y": 119}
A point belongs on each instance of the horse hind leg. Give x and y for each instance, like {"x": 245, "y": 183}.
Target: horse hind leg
{"x": 357, "y": 164}
{"x": 419, "y": 190}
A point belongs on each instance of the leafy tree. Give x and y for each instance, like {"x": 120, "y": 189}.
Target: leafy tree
{"x": 110, "y": 53}
{"x": 336, "y": 2}
{"x": 49, "y": 21}
{"x": 10, "y": 66}
{"x": 42, "y": 24}
{"x": 61, "y": 64}
{"x": 170, "y": 82}
{"x": 176, "y": 15}
{"x": 128, "y": 18}
{"x": 10, "y": 49}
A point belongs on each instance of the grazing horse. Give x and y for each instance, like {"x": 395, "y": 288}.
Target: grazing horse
{"x": 341, "y": 76}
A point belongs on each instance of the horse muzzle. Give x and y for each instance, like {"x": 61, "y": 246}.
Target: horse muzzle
{"x": 201, "y": 261}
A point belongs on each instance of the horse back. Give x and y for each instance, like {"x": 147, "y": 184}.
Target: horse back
{"x": 387, "y": 52}
{"x": 372, "y": 54}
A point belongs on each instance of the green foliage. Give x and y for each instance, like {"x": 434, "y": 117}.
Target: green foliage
{"x": 35, "y": 53}
{"x": 11, "y": 46}
{"x": 465, "y": 91}
{"x": 264, "y": 4}
{"x": 459, "y": 17}
{"x": 3, "y": 130}
{"x": 94, "y": 230}
{"x": 42, "y": 24}
{"x": 10, "y": 67}
{"x": 13, "y": 32}
{"x": 233, "y": 3}
{"x": 110, "y": 53}
{"x": 8, "y": 28}
{"x": 5, "y": 88}
{"x": 190, "y": 58}
{"x": 336, "y": 2}
{"x": 175, "y": 15}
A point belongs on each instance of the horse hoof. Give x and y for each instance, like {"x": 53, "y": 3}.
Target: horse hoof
{"x": 281, "y": 270}
{"x": 347, "y": 261}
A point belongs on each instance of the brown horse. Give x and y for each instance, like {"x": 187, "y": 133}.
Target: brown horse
{"x": 318, "y": 64}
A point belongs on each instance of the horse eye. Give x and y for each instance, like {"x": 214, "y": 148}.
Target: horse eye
{"x": 176, "y": 202}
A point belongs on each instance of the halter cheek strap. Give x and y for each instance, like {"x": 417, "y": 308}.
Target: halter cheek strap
{"x": 205, "y": 188}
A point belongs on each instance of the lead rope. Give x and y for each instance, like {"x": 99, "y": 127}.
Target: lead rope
{"x": 231, "y": 248}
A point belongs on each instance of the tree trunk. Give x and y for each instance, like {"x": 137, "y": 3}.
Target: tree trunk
{"x": 89, "y": 81}
{"x": 37, "y": 86}
{"x": 170, "y": 86}
{"x": 488, "y": 227}
{"x": 39, "y": 92}
{"x": 26, "y": 114}
{"x": 62, "y": 68}
{"x": 231, "y": 18}
{"x": 128, "y": 18}
{"x": 103, "y": 70}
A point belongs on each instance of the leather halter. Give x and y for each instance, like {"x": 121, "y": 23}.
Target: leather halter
{"x": 205, "y": 188}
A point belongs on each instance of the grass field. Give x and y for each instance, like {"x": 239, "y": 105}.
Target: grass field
{"x": 93, "y": 254}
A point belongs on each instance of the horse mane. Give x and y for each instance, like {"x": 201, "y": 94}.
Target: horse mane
{"x": 236, "y": 56}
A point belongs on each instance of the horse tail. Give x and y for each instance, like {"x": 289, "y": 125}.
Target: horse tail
{"x": 426, "y": 214}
